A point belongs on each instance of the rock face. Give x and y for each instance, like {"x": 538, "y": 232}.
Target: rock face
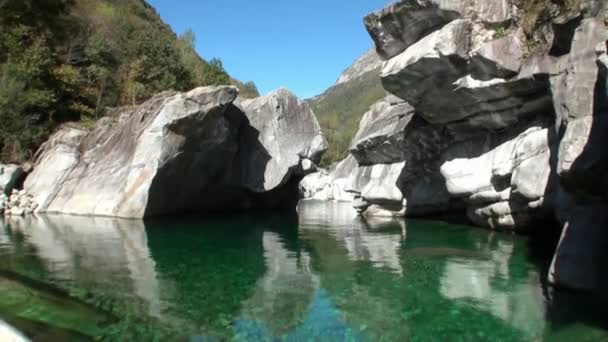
{"x": 380, "y": 137}
{"x": 288, "y": 138}
{"x": 333, "y": 185}
{"x": 494, "y": 120}
{"x": 168, "y": 155}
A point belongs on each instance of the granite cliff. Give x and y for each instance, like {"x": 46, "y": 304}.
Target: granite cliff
{"x": 496, "y": 113}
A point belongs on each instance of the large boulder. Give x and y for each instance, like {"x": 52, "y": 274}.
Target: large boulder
{"x": 447, "y": 81}
{"x": 503, "y": 180}
{"x": 380, "y": 136}
{"x": 284, "y": 140}
{"x": 400, "y": 25}
{"x": 154, "y": 159}
{"x": 332, "y": 185}
{"x": 376, "y": 190}
{"x": 176, "y": 153}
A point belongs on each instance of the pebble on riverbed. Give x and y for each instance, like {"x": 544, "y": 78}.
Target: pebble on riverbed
{"x": 20, "y": 203}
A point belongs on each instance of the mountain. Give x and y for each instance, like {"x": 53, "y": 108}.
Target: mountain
{"x": 68, "y": 60}
{"x": 340, "y": 108}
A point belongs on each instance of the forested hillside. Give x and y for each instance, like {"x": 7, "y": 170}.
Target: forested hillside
{"x": 340, "y": 108}
{"x": 68, "y": 60}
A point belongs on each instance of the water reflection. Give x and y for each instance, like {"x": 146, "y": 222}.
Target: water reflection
{"x": 488, "y": 285}
{"x": 377, "y": 240}
{"x": 324, "y": 274}
{"x": 282, "y": 297}
{"x": 100, "y": 252}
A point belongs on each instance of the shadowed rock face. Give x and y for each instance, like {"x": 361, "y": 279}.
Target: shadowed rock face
{"x": 165, "y": 156}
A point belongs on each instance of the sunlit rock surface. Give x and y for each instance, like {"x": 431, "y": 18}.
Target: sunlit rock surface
{"x": 167, "y": 155}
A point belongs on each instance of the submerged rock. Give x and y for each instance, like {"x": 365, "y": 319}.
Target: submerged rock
{"x": 179, "y": 152}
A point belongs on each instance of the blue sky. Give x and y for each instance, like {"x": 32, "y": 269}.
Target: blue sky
{"x": 300, "y": 45}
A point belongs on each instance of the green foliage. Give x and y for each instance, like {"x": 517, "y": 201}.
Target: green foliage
{"x": 67, "y": 60}
{"x": 340, "y": 110}
{"x": 500, "y": 32}
{"x": 247, "y": 90}
{"x": 531, "y": 13}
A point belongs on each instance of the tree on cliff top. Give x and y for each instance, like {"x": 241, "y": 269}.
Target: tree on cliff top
{"x": 67, "y": 60}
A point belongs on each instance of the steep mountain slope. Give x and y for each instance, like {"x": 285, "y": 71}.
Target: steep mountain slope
{"x": 67, "y": 60}
{"x": 340, "y": 108}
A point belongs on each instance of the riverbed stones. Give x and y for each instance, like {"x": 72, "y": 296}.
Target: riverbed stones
{"x": 20, "y": 203}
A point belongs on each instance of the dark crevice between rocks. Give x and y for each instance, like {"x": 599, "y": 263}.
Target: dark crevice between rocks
{"x": 563, "y": 37}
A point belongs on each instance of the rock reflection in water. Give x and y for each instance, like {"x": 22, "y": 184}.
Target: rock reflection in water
{"x": 283, "y": 295}
{"x": 82, "y": 250}
{"x": 374, "y": 239}
{"x": 324, "y": 274}
{"x": 489, "y": 285}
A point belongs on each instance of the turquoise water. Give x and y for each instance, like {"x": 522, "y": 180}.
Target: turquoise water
{"x": 319, "y": 275}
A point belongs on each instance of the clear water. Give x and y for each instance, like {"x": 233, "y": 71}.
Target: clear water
{"x": 320, "y": 275}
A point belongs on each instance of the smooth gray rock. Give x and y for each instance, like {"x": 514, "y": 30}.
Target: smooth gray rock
{"x": 501, "y": 58}
{"x": 400, "y": 25}
{"x": 438, "y": 77}
{"x": 10, "y": 176}
{"x": 502, "y": 180}
{"x": 154, "y": 159}
{"x": 284, "y": 132}
{"x": 380, "y": 137}
{"x": 169, "y": 154}
{"x": 333, "y": 185}
{"x": 581, "y": 101}
{"x": 376, "y": 186}
{"x": 313, "y": 184}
